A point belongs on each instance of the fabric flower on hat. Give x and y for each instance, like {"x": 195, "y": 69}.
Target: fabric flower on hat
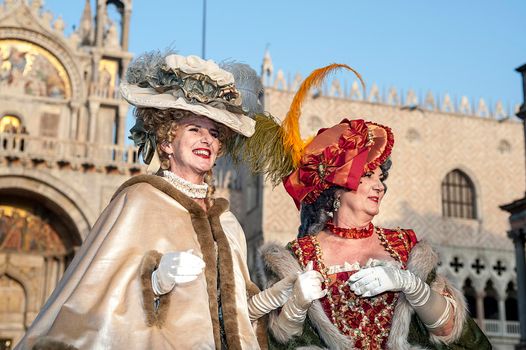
{"x": 156, "y": 80}
{"x": 196, "y": 65}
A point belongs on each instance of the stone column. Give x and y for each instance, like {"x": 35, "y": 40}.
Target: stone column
{"x": 123, "y": 113}
{"x": 480, "y": 309}
{"x": 93, "y": 114}
{"x": 125, "y": 28}
{"x": 74, "y": 108}
{"x": 95, "y": 74}
{"x": 46, "y": 280}
{"x": 502, "y": 314}
{"x": 519, "y": 237}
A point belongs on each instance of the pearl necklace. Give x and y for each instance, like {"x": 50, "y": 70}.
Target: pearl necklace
{"x": 186, "y": 187}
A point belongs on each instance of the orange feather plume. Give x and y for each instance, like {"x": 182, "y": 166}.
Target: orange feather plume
{"x": 291, "y": 131}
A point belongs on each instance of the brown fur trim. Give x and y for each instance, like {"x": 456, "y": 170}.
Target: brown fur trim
{"x": 204, "y": 237}
{"x": 220, "y": 206}
{"x": 226, "y": 284}
{"x": 154, "y": 317}
{"x": 252, "y": 288}
{"x": 48, "y": 343}
{"x": 261, "y": 332}
{"x": 206, "y": 241}
{"x": 164, "y": 186}
{"x": 261, "y": 324}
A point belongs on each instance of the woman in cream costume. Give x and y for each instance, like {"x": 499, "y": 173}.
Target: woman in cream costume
{"x": 359, "y": 286}
{"x": 165, "y": 267}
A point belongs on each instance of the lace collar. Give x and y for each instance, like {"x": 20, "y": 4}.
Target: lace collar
{"x": 184, "y": 186}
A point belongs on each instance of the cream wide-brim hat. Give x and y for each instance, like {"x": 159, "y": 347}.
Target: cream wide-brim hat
{"x": 149, "y": 98}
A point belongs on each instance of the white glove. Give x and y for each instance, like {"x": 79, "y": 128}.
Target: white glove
{"x": 306, "y": 289}
{"x": 271, "y": 298}
{"x": 432, "y": 308}
{"x": 176, "y": 268}
{"x": 372, "y": 281}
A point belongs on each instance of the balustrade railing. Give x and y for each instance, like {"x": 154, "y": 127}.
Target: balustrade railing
{"x": 501, "y": 328}
{"x": 66, "y": 151}
{"x": 105, "y": 91}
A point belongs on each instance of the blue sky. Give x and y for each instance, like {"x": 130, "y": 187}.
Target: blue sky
{"x": 465, "y": 47}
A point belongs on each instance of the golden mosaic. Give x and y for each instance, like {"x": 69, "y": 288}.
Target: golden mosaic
{"x": 26, "y": 68}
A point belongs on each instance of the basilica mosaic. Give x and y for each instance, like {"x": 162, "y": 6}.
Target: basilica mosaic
{"x": 26, "y": 68}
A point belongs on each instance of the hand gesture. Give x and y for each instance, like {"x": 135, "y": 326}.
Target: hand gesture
{"x": 372, "y": 281}
{"x": 308, "y": 287}
{"x": 176, "y": 268}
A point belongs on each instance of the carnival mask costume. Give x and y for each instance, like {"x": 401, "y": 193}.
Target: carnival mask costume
{"x": 396, "y": 302}
{"x": 162, "y": 268}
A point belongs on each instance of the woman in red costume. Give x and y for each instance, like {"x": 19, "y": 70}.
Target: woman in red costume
{"x": 359, "y": 286}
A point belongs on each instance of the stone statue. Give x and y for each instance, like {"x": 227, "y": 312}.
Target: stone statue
{"x": 59, "y": 24}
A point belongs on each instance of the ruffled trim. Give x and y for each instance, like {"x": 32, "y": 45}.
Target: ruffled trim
{"x": 375, "y": 163}
{"x": 355, "y": 266}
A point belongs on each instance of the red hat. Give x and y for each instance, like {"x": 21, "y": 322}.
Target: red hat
{"x": 339, "y": 156}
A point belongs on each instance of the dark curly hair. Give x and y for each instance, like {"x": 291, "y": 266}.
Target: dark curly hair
{"x": 314, "y": 216}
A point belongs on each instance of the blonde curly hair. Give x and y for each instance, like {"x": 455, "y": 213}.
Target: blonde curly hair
{"x": 165, "y": 123}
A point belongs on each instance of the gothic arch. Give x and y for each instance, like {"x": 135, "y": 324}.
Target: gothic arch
{"x": 470, "y": 294}
{"x": 468, "y": 172}
{"x": 12, "y": 112}
{"x": 510, "y": 302}
{"x": 59, "y": 197}
{"x": 491, "y": 297}
{"x": 469, "y": 177}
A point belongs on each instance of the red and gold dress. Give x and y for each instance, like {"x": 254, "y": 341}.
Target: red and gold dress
{"x": 367, "y": 321}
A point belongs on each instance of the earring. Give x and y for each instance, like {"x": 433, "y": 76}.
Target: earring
{"x": 336, "y": 204}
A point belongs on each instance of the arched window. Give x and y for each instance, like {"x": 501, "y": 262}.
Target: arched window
{"x": 512, "y": 309}
{"x": 10, "y": 123}
{"x": 471, "y": 297}
{"x": 458, "y": 196}
{"x": 491, "y": 307}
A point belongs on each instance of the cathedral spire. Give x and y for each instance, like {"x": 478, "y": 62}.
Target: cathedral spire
{"x": 86, "y": 28}
{"x": 267, "y": 69}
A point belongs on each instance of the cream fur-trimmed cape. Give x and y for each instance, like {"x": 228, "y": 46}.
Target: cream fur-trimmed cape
{"x": 104, "y": 300}
{"x": 279, "y": 262}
